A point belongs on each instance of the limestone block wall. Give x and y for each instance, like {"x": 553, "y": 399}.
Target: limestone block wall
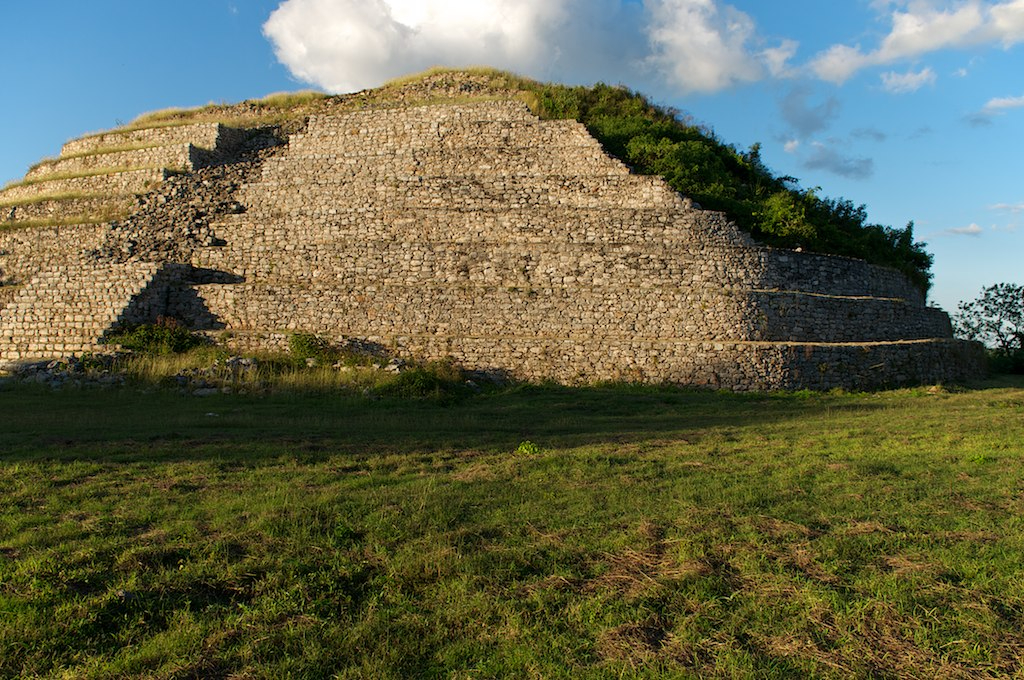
{"x": 67, "y": 309}
{"x": 24, "y": 253}
{"x": 96, "y": 177}
{"x": 44, "y": 209}
{"x": 384, "y": 311}
{"x": 205, "y": 135}
{"x": 178, "y": 156}
{"x": 833, "y": 275}
{"x": 103, "y": 182}
{"x": 738, "y": 366}
{"x": 802, "y": 317}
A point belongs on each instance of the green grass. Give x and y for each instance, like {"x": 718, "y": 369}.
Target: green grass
{"x": 274, "y": 109}
{"x": 281, "y": 101}
{"x": 527, "y": 532}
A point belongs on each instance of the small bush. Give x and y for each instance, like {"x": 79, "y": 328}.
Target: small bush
{"x": 304, "y": 346}
{"x": 527, "y": 448}
{"x": 166, "y": 336}
{"x": 433, "y": 379}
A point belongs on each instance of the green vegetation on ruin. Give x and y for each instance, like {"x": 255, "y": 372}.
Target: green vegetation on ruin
{"x": 280, "y": 108}
{"x": 657, "y": 141}
{"x": 650, "y": 139}
{"x": 526, "y": 531}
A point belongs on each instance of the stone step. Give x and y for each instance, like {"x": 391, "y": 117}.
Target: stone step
{"x": 427, "y": 247}
{"x": 457, "y": 194}
{"x": 409, "y": 261}
{"x": 492, "y": 111}
{"x": 430, "y": 230}
{"x": 738, "y": 366}
{"x": 372, "y": 142}
{"x": 112, "y": 181}
{"x": 743, "y": 365}
{"x": 365, "y": 305}
{"x": 205, "y": 135}
{"x": 103, "y": 206}
{"x": 799, "y": 317}
{"x": 24, "y": 253}
{"x": 177, "y": 157}
{"x": 487, "y": 162}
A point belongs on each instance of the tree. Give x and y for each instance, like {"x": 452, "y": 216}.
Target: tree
{"x": 996, "y": 318}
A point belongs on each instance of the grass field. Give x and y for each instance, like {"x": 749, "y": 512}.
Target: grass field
{"x": 546, "y": 532}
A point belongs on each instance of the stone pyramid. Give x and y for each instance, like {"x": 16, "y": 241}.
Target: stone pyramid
{"x": 439, "y": 226}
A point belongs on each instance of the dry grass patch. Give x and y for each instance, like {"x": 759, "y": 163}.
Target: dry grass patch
{"x": 637, "y": 644}
{"x": 97, "y": 172}
{"x": 74, "y": 220}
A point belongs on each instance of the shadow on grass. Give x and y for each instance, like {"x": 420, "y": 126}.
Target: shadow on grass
{"x": 133, "y": 425}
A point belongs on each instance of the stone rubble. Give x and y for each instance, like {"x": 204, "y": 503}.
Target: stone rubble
{"x": 89, "y": 370}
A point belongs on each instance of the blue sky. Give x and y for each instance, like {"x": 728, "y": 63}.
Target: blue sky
{"x": 912, "y": 107}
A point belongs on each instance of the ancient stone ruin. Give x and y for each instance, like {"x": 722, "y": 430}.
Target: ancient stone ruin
{"x": 441, "y": 225}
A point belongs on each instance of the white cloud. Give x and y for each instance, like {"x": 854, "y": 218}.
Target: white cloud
{"x": 972, "y": 230}
{"x": 1007, "y": 23}
{"x": 777, "y": 58}
{"x": 1001, "y": 104}
{"x": 347, "y": 45}
{"x": 791, "y": 146}
{"x": 839, "y": 62}
{"x": 701, "y": 47}
{"x": 903, "y": 83}
{"x": 1008, "y": 207}
{"x": 692, "y": 45}
{"x": 924, "y": 27}
{"x": 994, "y": 107}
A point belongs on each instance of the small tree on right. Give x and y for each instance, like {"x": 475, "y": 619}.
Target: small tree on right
{"x": 996, "y": 318}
